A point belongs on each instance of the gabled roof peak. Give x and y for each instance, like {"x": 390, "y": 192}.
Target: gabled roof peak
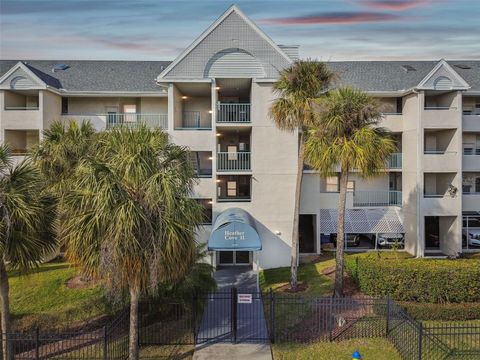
{"x": 443, "y": 77}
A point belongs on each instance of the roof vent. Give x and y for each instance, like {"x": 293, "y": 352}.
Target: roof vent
{"x": 60, "y": 67}
{"x": 408, "y": 68}
{"x": 462, "y": 66}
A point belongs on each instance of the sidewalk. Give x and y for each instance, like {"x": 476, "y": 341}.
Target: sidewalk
{"x": 232, "y": 352}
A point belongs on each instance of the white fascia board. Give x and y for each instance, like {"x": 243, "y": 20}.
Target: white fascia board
{"x": 113, "y": 93}
{"x": 212, "y": 27}
{"x": 444, "y": 63}
{"x": 185, "y": 80}
{"x": 22, "y": 66}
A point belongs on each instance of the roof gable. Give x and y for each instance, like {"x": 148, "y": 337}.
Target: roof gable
{"x": 443, "y": 77}
{"x": 233, "y": 30}
{"x": 21, "y": 77}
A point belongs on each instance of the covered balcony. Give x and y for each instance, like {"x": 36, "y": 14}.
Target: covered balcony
{"x": 192, "y": 106}
{"x": 441, "y": 194}
{"x": 133, "y": 120}
{"x": 471, "y": 113}
{"x": 441, "y": 110}
{"x": 233, "y": 106}
{"x": 233, "y": 150}
{"x": 440, "y": 150}
{"x": 202, "y": 163}
{"x": 21, "y": 141}
{"x": 22, "y": 100}
{"x": 377, "y": 198}
{"x": 234, "y": 188}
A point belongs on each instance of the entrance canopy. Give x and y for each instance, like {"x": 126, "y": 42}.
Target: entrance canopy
{"x": 234, "y": 229}
{"x": 363, "y": 221}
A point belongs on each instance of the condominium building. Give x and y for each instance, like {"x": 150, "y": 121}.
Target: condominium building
{"x": 215, "y": 98}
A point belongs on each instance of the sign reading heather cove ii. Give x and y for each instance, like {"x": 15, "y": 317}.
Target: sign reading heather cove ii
{"x": 234, "y": 235}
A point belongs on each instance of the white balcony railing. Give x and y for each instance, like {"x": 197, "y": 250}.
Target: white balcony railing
{"x": 134, "y": 120}
{"x": 377, "y": 198}
{"x": 395, "y": 161}
{"x": 233, "y": 161}
{"x": 21, "y": 108}
{"x": 233, "y": 113}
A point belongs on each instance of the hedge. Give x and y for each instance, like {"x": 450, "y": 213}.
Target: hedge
{"x": 443, "y": 312}
{"x": 419, "y": 280}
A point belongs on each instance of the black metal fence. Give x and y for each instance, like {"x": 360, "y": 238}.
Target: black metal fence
{"x": 243, "y": 316}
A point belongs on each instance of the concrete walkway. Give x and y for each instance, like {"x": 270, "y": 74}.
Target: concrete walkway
{"x": 215, "y": 332}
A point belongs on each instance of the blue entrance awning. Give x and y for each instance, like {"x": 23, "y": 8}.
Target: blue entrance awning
{"x": 234, "y": 229}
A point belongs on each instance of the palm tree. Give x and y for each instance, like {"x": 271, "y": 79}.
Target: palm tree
{"x": 129, "y": 219}
{"x": 61, "y": 149}
{"x": 346, "y": 136}
{"x": 26, "y": 218}
{"x": 298, "y": 88}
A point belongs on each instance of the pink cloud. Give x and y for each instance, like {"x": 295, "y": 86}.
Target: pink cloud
{"x": 394, "y": 5}
{"x": 334, "y": 18}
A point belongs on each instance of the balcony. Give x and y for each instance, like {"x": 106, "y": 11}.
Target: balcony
{"x": 234, "y": 188}
{"x": 471, "y": 160}
{"x": 440, "y": 161}
{"x": 193, "y": 120}
{"x": 233, "y": 113}
{"x": 470, "y": 201}
{"x": 395, "y": 161}
{"x": 471, "y": 122}
{"x": 392, "y": 121}
{"x": 376, "y": 198}
{"x": 134, "y": 120}
{"x": 233, "y": 161}
{"x": 443, "y": 117}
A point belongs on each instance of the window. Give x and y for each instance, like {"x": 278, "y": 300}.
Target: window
{"x": 468, "y": 149}
{"x": 231, "y": 188}
{"x": 202, "y": 163}
{"x": 466, "y": 188}
{"x": 64, "y": 105}
{"x": 130, "y": 113}
{"x": 332, "y": 184}
{"x": 477, "y": 185}
{"x": 399, "y": 105}
{"x": 207, "y": 210}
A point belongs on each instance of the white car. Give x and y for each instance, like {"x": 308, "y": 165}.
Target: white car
{"x": 387, "y": 240}
{"x": 473, "y": 236}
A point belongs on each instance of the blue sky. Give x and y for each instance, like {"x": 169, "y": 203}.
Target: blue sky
{"x": 161, "y": 29}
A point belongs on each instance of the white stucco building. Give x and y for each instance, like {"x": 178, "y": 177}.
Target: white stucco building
{"x": 215, "y": 99}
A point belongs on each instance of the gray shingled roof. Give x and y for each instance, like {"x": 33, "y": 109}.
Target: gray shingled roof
{"x": 140, "y": 76}
{"x": 89, "y": 75}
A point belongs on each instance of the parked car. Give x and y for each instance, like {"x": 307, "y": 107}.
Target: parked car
{"x": 473, "y": 236}
{"x": 352, "y": 239}
{"x": 387, "y": 240}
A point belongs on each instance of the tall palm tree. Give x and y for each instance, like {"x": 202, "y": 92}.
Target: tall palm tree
{"x": 26, "y": 234}
{"x": 61, "y": 149}
{"x": 346, "y": 135}
{"x": 298, "y": 88}
{"x": 129, "y": 217}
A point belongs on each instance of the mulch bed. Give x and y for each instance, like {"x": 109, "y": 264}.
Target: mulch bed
{"x": 349, "y": 287}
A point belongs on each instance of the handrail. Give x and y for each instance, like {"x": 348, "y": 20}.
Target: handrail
{"x": 233, "y": 113}
{"x": 128, "y": 119}
{"x": 440, "y": 108}
{"x": 377, "y": 198}
{"x": 438, "y": 152}
{"x": 233, "y": 161}
{"x": 22, "y": 107}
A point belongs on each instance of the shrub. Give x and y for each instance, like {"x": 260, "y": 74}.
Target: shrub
{"x": 443, "y": 312}
{"x": 420, "y": 280}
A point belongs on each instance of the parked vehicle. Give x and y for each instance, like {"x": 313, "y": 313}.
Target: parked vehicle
{"x": 387, "y": 240}
{"x": 352, "y": 239}
{"x": 473, "y": 236}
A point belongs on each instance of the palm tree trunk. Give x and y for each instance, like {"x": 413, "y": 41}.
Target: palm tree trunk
{"x": 338, "y": 290}
{"x": 5, "y": 308}
{"x": 133, "y": 338}
{"x": 298, "y": 189}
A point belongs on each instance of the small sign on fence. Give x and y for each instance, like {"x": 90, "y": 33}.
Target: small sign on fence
{"x": 244, "y": 298}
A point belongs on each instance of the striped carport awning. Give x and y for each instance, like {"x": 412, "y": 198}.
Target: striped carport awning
{"x": 363, "y": 221}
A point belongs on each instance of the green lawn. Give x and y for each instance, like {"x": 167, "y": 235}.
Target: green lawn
{"x": 42, "y": 298}
{"x": 370, "y": 349}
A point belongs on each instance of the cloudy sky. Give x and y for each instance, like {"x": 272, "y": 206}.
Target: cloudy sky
{"x": 160, "y": 29}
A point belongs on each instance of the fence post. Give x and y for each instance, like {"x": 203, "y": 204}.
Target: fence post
{"x": 388, "y": 316}
{"x": 37, "y": 343}
{"x": 105, "y": 343}
{"x": 234, "y": 314}
{"x": 194, "y": 318}
{"x": 330, "y": 321}
{"x": 272, "y": 317}
{"x": 420, "y": 340}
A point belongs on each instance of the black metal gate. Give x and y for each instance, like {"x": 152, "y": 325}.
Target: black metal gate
{"x": 233, "y": 315}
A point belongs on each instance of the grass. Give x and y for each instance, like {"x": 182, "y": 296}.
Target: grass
{"x": 369, "y": 348}
{"x": 42, "y": 299}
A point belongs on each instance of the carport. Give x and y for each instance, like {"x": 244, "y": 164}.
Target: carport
{"x": 372, "y": 221}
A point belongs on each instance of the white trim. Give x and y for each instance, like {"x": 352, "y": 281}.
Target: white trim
{"x": 443, "y": 63}
{"x": 212, "y": 27}
{"x": 113, "y": 93}
{"x": 160, "y": 82}
{"x": 22, "y": 66}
